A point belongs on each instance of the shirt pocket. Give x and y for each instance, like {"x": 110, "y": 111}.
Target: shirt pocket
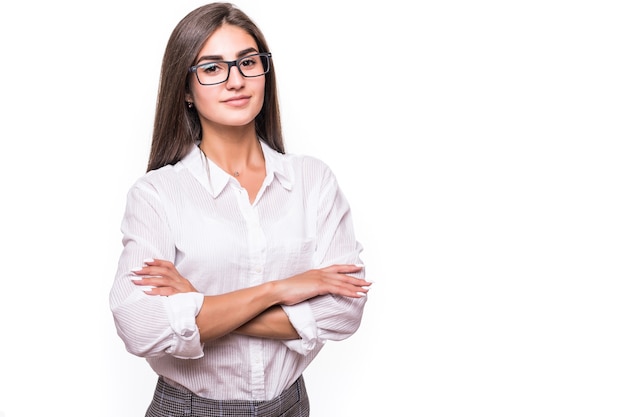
{"x": 292, "y": 258}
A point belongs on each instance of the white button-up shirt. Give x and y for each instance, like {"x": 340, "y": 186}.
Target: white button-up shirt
{"x": 199, "y": 217}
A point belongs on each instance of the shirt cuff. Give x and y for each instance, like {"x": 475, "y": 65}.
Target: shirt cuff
{"x": 182, "y": 310}
{"x": 302, "y": 319}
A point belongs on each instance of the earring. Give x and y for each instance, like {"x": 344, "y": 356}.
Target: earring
{"x": 189, "y": 104}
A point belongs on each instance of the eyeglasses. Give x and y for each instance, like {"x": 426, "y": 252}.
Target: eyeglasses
{"x": 217, "y": 72}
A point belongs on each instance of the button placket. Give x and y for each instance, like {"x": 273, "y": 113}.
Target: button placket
{"x": 257, "y": 249}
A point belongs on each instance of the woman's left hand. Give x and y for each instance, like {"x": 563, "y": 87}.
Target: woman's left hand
{"x": 163, "y": 277}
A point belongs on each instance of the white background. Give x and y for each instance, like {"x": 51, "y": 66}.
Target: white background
{"x": 481, "y": 145}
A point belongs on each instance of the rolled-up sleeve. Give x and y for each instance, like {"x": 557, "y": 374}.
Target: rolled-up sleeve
{"x": 182, "y": 310}
{"x": 303, "y": 320}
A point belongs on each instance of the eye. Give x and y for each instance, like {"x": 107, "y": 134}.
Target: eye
{"x": 211, "y": 68}
{"x": 249, "y": 61}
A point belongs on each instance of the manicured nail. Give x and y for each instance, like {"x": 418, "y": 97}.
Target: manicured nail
{"x": 361, "y": 294}
{"x": 139, "y": 268}
{"x": 148, "y": 260}
{"x": 360, "y": 265}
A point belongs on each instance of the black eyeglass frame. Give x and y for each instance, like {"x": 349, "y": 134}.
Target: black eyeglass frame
{"x": 231, "y": 64}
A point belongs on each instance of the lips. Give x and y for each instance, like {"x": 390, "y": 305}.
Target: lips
{"x": 237, "y": 100}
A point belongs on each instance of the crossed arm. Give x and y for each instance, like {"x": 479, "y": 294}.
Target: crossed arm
{"x": 254, "y": 311}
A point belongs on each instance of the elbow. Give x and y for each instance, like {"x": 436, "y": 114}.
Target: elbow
{"x": 135, "y": 347}
{"x": 350, "y": 328}
{"x": 138, "y": 340}
{"x": 350, "y": 321}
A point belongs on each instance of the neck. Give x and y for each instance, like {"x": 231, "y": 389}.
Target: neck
{"x": 234, "y": 154}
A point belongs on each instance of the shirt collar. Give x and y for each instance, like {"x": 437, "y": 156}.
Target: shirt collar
{"x": 215, "y": 179}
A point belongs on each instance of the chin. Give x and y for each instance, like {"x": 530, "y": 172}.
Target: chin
{"x": 242, "y": 123}
{"x": 239, "y": 120}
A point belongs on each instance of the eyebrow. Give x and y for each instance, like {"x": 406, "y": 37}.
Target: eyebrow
{"x": 240, "y": 54}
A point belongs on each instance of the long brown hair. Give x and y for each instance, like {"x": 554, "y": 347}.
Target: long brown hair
{"x": 176, "y": 126}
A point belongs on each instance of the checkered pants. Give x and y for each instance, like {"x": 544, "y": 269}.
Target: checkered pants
{"x": 169, "y": 401}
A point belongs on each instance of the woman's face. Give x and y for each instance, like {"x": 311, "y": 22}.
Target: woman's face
{"x": 237, "y": 101}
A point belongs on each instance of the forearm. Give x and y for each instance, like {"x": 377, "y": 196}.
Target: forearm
{"x": 273, "y": 323}
{"x": 222, "y": 314}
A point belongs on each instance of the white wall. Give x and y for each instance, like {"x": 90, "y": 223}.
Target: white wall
{"x": 481, "y": 145}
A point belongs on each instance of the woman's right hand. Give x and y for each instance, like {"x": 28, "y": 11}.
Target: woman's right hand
{"x": 333, "y": 279}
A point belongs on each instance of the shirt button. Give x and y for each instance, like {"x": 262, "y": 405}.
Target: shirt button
{"x": 258, "y": 269}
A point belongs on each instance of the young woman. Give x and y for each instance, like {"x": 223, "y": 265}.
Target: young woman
{"x": 239, "y": 261}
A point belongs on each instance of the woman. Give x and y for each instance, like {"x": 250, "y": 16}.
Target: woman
{"x": 239, "y": 260}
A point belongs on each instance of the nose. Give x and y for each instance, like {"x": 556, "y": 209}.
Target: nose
{"x": 235, "y": 79}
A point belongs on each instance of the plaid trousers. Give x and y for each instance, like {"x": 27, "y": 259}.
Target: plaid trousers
{"x": 169, "y": 401}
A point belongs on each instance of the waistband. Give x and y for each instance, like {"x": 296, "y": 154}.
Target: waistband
{"x": 168, "y": 398}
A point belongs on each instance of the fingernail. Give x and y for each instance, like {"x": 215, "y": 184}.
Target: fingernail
{"x": 148, "y": 260}
{"x": 361, "y": 294}
{"x": 360, "y": 265}
{"x": 139, "y": 268}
